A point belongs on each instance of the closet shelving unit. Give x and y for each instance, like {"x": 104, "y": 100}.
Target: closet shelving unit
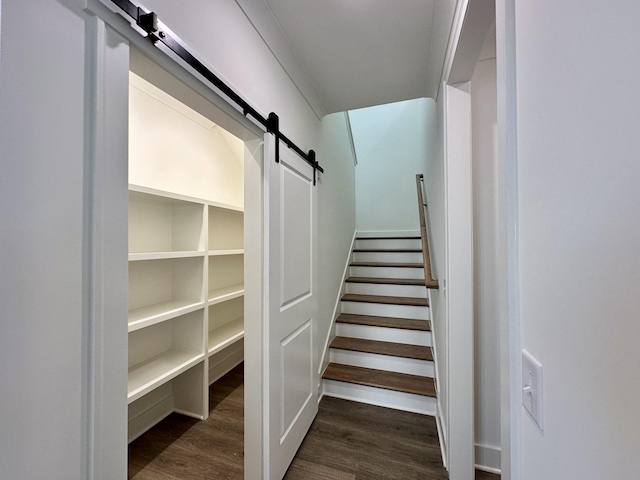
{"x": 186, "y": 298}
{"x": 226, "y": 277}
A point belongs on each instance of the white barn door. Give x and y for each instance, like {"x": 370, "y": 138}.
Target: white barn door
{"x": 292, "y": 394}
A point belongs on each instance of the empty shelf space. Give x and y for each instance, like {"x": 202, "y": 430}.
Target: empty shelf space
{"x": 403, "y": 350}
{"x": 400, "y": 382}
{"x": 411, "y": 301}
{"x": 236, "y": 251}
{"x": 159, "y": 312}
{"x": 163, "y": 350}
{"x": 223, "y": 336}
{"x": 226, "y": 277}
{"x": 158, "y": 370}
{"x": 388, "y": 322}
{"x": 159, "y": 223}
{"x": 162, "y": 289}
{"x": 226, "y": 229}
{"x": 386, "y": 281}
{"x": 133, "y": 257}
{"x": 226, "y": 293}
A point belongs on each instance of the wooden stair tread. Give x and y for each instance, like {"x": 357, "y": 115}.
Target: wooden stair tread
{"x": 389, "y": 250}
{"x": 403, "y": 350}
{"x": 388, "y": 300}
{"x": 399, "y": 382}
{"x": 417, "y": 237}
{"x": 387, "y": 281}
{"x": 387, "y": 264}
{"x": 388, "y": 322}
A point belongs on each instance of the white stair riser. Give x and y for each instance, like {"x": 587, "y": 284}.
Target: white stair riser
{"x": 384, "y": 310}
{"x": 407, "y": 402}
{"x": 384, "y": 334}
{"x": 398, "y": 257}
{"x": 389, "y": 363}
{"x": 389, "y": 244}
{"x": 386, "y": 272}
{"x": 417, "y": 291}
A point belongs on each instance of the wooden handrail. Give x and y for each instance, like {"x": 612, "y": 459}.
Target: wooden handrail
{"x": 429, "y": 281}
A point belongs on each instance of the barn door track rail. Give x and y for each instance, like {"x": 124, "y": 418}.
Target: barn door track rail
{"x": 157, "y": 32}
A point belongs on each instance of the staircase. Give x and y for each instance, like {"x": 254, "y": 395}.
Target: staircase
{"x": 382, "y": 350}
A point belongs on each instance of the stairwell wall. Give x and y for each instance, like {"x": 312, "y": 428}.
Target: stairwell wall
{"x": 336, "y": 222}
{"x": 390, "y": 147}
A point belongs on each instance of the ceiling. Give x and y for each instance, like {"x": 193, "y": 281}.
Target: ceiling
{"x": 348, "y": 54}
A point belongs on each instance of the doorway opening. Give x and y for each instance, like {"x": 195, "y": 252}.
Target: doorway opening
{"x": 186, "y": 237}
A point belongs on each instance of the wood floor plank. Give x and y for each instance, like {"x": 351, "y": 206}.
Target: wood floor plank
{"x": 347, "y": 441}
{"x": 303, "y": 470}
{"x": 418, "y": 352}
{"x": 400, "y": 382}
{"x": 388, "y": 322}
{"x": 388, "y": 300}
{"x": 387, "y": 281}
{"x": 387, "y": 264}
{"x": 360, "y": 439}
{"x": 182, "y": 448}
{"x": 386, "y": 423}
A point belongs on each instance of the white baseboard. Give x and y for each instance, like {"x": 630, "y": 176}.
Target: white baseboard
{"x": 442, "y": 434}
{"x": 388, "y": 233}
{"x": 226, "y": 360}
{"x": 488, "y": 458}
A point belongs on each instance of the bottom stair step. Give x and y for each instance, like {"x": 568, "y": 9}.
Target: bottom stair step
{"x": 399, "y": 382}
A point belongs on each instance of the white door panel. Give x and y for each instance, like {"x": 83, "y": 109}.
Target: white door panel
{"x": 290, "y": 214}
{"x": 296, "y": 245}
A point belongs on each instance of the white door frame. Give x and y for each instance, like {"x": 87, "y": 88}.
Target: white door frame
{"x": 459, "y": 275}
{"x": 109, "y": 38}
{"x": 510, "y": 347}
{"x": 471, "y": 21}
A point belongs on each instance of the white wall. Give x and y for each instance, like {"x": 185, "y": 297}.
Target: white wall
{"x": 391, "y": 149}
{"x": 41, "y": 239}
{"x": 486, "y": 258}
{"x": 579, "y": 231}
{"x": 175, "y": 149}
{"x": 41, "y": 207}
{"x": 336, "y": 218}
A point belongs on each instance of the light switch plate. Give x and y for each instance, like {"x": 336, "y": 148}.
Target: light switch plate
{"x": 532, "y": 387}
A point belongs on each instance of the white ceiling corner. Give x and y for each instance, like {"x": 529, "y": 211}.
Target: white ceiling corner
{"x": 262, "y": 19}
{"x": 349, "y": 54}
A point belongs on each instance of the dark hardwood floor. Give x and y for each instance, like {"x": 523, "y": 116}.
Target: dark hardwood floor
{"x": 182, "y": 448}
{"x": 347, "y": 441}
{"x": 486, "y": 476}
{"x": 354, "y": 441}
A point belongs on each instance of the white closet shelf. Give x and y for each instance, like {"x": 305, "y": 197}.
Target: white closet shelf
{"x": 226, "y": 293}
{"x": 237, "y": 251}
{"x": 133, "y": 257}
{"x": 158, "y": 370}
{"x": 184, "y": 198}
{"x": 225, "y": 335}
{"x": 159, "y": 312}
